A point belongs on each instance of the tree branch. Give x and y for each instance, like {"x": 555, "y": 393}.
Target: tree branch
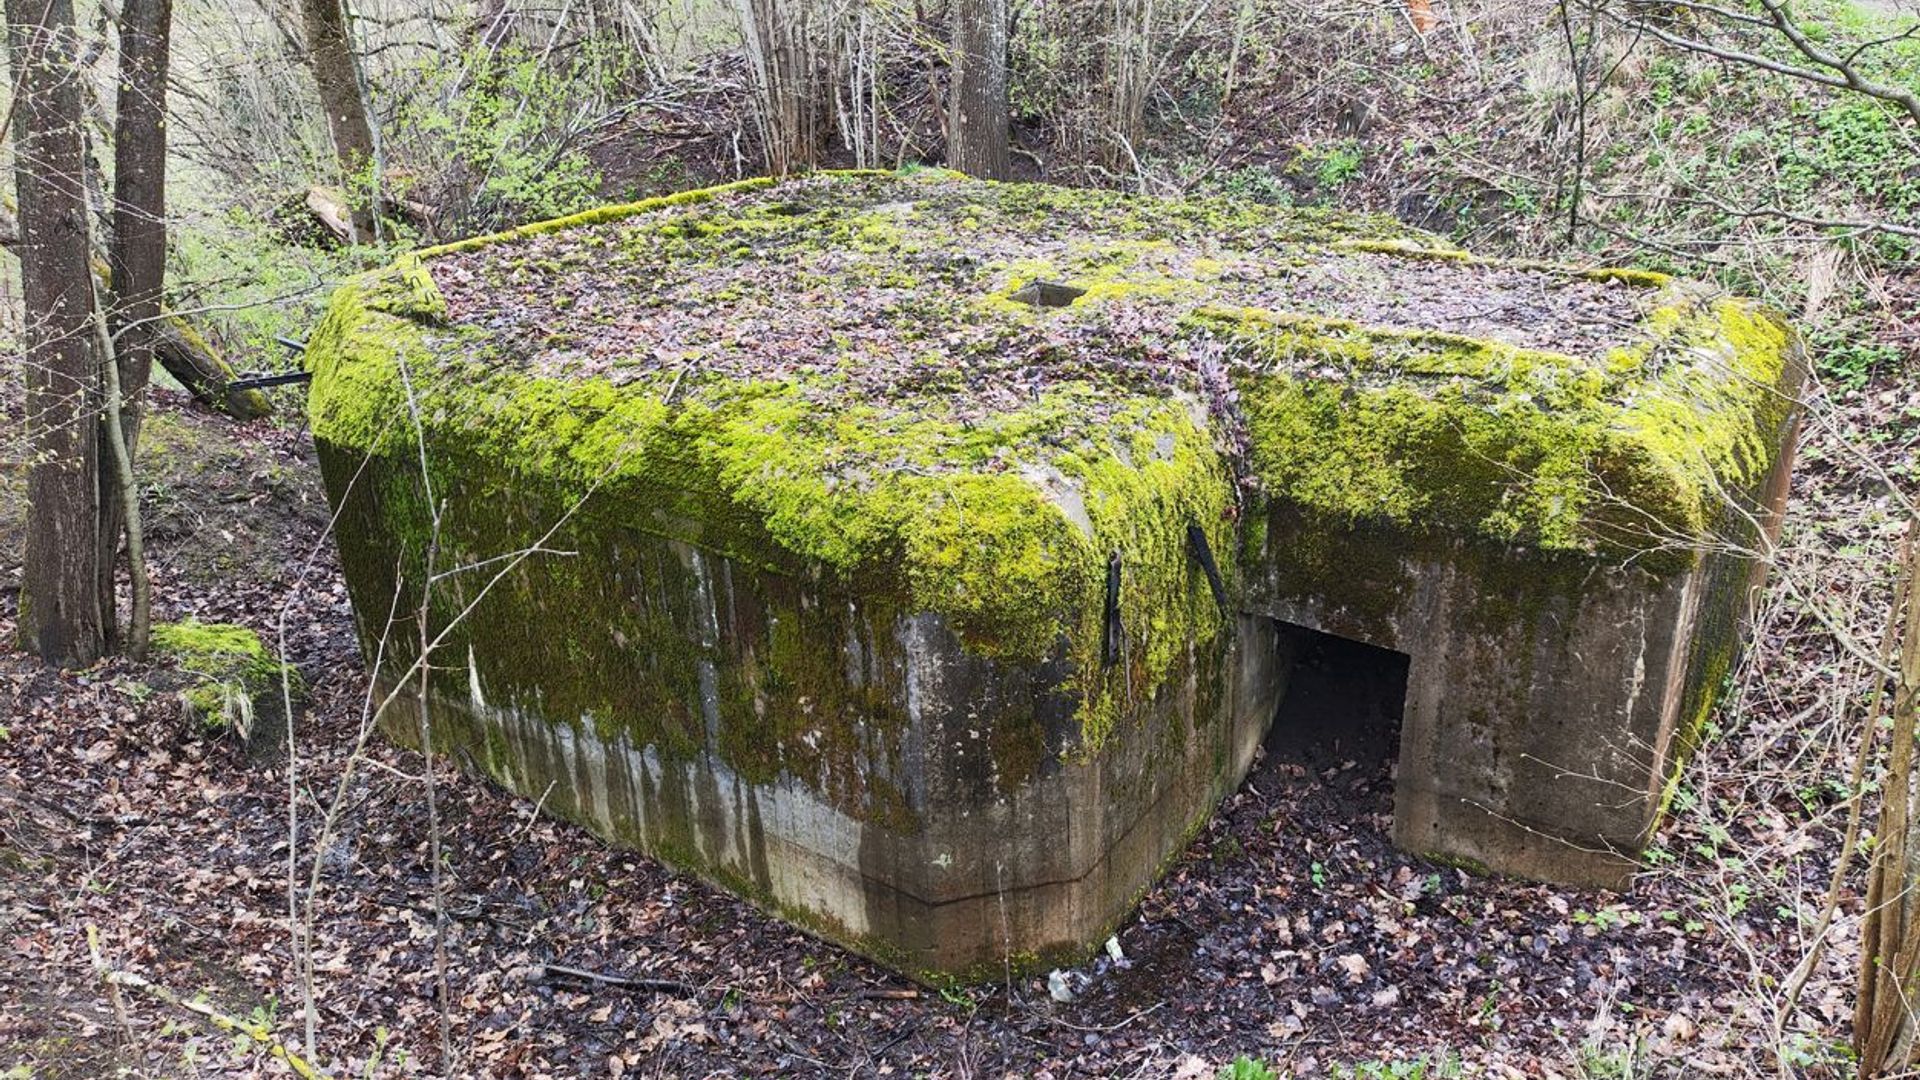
{"x": 1840, "y": 73}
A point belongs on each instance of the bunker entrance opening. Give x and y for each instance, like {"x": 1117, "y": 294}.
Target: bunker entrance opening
{"x": 1344, "y": 702}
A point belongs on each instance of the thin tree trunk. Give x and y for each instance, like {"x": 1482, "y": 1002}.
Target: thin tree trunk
{"x": 337, "y": 73}
{"x": 977, "y": 100}
{"x": 784, "y": 42}
{"x": 118, "y": 483}
{"x": 1884, "y": 1025}
{"x": 137, "y": 254}
{"x": 60, "y": 616}
{"x": 1129, "y": 77}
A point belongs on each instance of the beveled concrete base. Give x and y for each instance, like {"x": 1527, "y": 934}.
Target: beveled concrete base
{"x": 975, "y": 879}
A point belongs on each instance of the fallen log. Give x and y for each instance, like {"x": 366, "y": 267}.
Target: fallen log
{"x": 193, "y": 361}
{"x": 183, "y": 351}
{"x": 330, "y": 212}
{"x": 331, "y": 216}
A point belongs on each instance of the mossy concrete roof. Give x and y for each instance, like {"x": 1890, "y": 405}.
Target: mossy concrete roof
{"x": 888, "y": 282}
{"x": 851, "y": 369}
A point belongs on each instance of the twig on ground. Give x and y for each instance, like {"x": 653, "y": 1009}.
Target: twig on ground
{"x": 549, "y": 972}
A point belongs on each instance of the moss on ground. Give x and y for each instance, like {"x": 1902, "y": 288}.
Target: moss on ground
{"x": 233, "y": 668}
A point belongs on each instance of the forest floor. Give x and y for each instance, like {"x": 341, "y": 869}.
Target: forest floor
{"x": 1289, "y": 930}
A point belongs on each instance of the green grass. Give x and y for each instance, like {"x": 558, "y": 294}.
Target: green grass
{"x": 1441, "y": 1067}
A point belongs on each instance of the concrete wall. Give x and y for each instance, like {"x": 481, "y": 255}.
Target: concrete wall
{"x": 929, "y": 811}
{"x": 845, "y": 764}
{"x": 1550, "y": 700}
{"x": 1535, "y": 692}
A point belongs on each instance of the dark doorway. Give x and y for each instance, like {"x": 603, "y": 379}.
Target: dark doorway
{"x": 1343, "y": 704}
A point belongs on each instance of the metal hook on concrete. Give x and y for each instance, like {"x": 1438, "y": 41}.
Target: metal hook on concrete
{"x": 1112, "y": 631}
{"x": 1203, "y": 553}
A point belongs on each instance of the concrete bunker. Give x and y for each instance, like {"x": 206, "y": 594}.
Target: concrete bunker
{"x": 769, "y": 529}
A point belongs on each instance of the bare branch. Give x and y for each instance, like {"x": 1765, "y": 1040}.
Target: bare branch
{"x": 1704, "y": 198}
{"x": 1829, "y": 70}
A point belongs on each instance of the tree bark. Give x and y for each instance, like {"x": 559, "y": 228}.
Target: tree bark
{"x": 785, "y": 43}
{"x": 977, "y": 99}
{"x": 60, "y": 614}
{"x": 1884, "y": 1027}
{"x": 1129, "y": 78}
{"x": 336, "y": 71}
{"x": 137, "y": 256}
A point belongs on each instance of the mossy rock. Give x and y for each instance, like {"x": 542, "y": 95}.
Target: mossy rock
{"x": 237, "y": 681}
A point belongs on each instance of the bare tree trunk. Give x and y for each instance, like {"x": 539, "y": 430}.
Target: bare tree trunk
{"x": 337, "y": 73}
{"x": 785, "y": 41}
{"x": 60, "y": 616}
{"x": 977, "y": 99}
{"x": 1884, "y": 1025}
{"x": 1129, "y": 78}
{"x": 117, "y": 485}
{"x": 137, "y": 254}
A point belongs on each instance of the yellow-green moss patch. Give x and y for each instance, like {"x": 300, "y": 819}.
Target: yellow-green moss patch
{"x": 232, "y": 668}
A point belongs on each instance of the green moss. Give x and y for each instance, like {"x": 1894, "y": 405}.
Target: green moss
{"x": 210, "y": 646}
{"x": 234, "y": 668}
{"x": 602, "y": 214}
{"x": 1405, "y": 248}
{"x": 1458, "y": 862}
{"x": 407, "y": 290}
{"x": 938, "y": 512}
{"x": 1645, "y": 279}
{"x": 1708, "y": 421}
{"x": 1439, "y": 432}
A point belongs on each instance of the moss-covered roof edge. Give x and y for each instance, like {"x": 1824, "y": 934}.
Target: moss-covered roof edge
{"x": 617, "y": 211}
{"x": 745, "y": 470}
{"x": 1560, "y": 458}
